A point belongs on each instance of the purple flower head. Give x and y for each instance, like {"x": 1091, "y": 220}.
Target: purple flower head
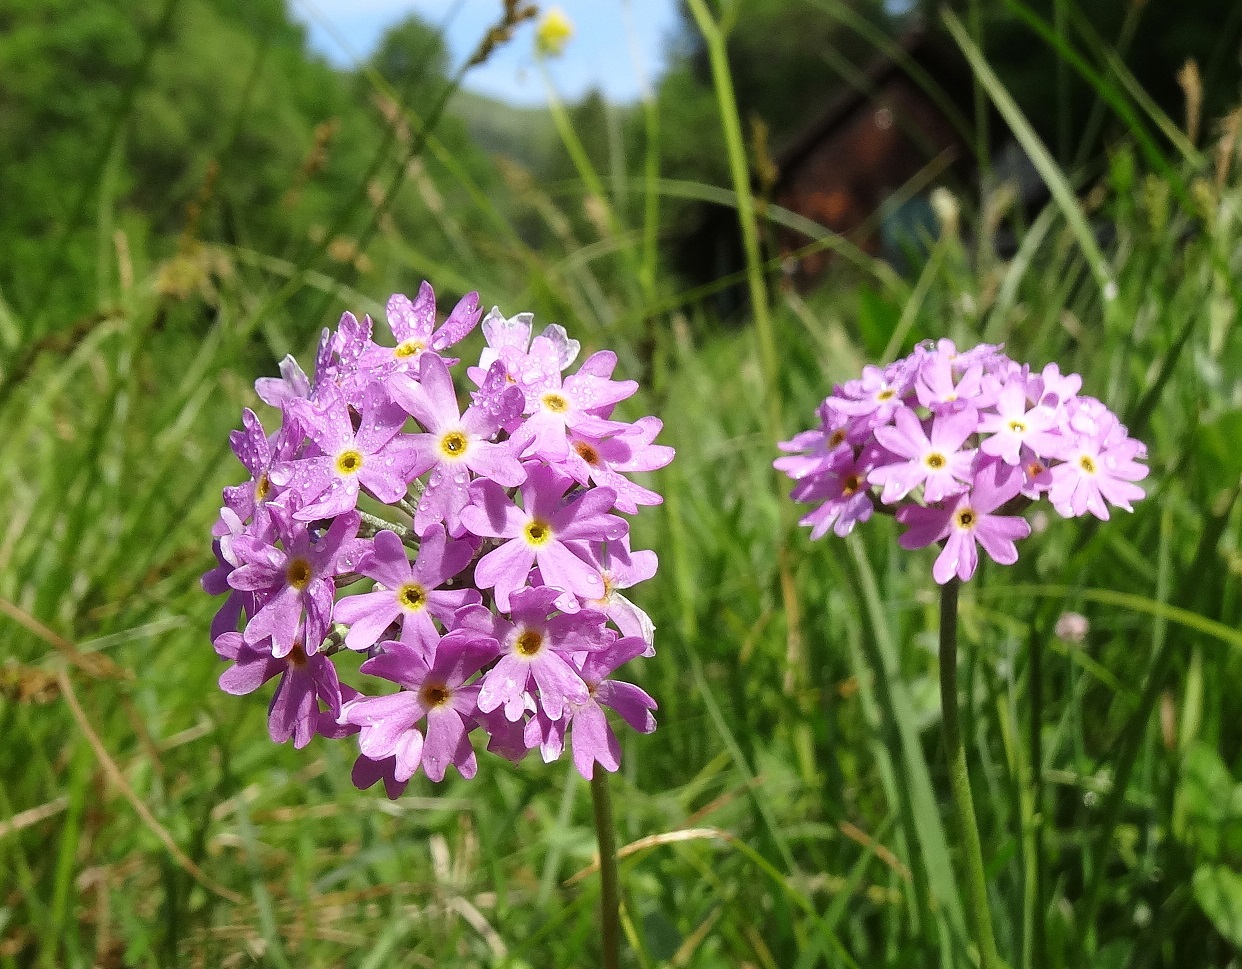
{"x": 538, "y": 532}
{"x": 407, "y": 593}
{"x": 488, "y": 614}
{"x": 947, "y": 438}
{"x": 296, "y": 582}
{"x": 374, "y": 457}
{"x": 304, "y": 681}
{"x": 454, "y": 445}
{"x": 537, "y": 649}
{"x": 967, "y": 522}
{"x": 436, "y": 691}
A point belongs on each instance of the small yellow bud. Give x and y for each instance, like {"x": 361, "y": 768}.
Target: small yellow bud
{"x": 553, "y": 33}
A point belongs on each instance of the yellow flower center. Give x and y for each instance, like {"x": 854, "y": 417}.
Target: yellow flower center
{"x": 965, "y": 518}
{"x": 412, "y": 596}
{"x": 850, "y": 484}
{"x": 935, "y": 460}
{"x": 555, "y": 402}
{"x": 1017, "y": 427}
{"x": 529, "y": 642}
{"x": 1087, "y": 464}
{"x": 298, "y": 573}
{"x": 262, "y": 487}
{"x": 454, "y": 444}
{"x": 349, "y": 462}
{"x": 435, "y": 694}
{"x": 887, "y": 394}
{"x": 1035, "y": 469}
{"x": 409, "y": 348}
{"x": 538, "y": 532}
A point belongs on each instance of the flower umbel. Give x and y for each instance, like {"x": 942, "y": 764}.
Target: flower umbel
{"x": 958, "y": 444}
{"x": 493, "y": 561}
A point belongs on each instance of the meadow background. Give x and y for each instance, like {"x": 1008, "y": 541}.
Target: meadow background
{"x": 188, "y": 192}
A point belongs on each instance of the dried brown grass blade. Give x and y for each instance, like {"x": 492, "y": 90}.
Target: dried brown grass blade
{"x": 118, "y": 779}
{"x": 654, "y": 841}
{"x": 95, "y": 665}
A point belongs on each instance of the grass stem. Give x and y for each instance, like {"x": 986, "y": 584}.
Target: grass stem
{"x": 959, "y": 778}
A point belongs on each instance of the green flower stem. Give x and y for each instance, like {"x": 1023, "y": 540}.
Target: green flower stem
{"x": 959, "y": 777}
{"x": 610, "y": 893}
{"x": 372, "y": 525}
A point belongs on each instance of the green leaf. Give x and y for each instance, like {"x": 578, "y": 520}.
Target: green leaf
{"x": 1220, "y": 457}
{"x": 1218, "y": 890}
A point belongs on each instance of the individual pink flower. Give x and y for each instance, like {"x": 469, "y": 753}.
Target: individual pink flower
{"x": 936, "y": 461}
{"x": 296, "y": 583}
{"x": 373, "y": 457}
{"x": 454, "y": 444}
{"x": 537, "y": 533}
{"x": 967, "y": 522}
{"x": 536, "y": 653}
{"x": 1096, "y": 473}
{"x": 573, "y": 403}
{"x": 846, "y": 499}
{"x": 413, "y": 325}
{"x": 434, "y": 689}
{"x": 592, "y": 740}
{"x": 304, "y": 681}
{"x": 407, "y": 593}
{"x": 1013, "y": 427}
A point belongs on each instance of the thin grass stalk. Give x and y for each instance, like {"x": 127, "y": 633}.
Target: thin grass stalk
{"x": 1034, "y": 920}
{"x": 610, "y": 892}
{"x": 714, "y": 37}
{"x": 959, "y": 779}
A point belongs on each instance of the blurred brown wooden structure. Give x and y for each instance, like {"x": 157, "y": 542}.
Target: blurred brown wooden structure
{"x": 864, "y": 168}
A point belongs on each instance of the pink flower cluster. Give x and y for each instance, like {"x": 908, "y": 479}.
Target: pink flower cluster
{"x": 475, "y": 557}
{"x": 956, "y": 445}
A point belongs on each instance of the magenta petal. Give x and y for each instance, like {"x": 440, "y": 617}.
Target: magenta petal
{"x": 630, "y": 701}
{"x": 492, "y": 514}
{"x": 408, "y": 752}
{"x": 505, "y": 683}
{"x": 593, "y": 740}
{"x": 558, "y": 682}
{"x": 368, "y": 615}
{"x": 292, "y": 710}
{"x": 249, "y": 673}
{"x": 562, "y": 569}
{"x": 505, "y": 569}
{"x": 443, "y": 743}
